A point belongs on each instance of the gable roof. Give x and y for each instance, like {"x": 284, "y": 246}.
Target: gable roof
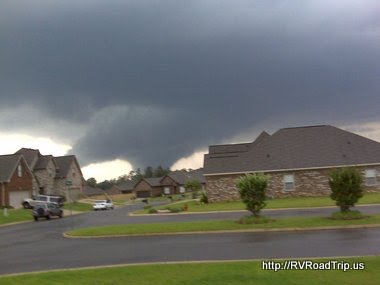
{"x": 181, "y": 176}
{"x": 92, "y": 191}
{"x": 43, "y": 162}
{"x": 127, "y": 185}
{"x": 31, "y": 156}
{"x": 64, "y": 163}
{"x": 297, "y": 148}
{"x": 8, "y": 165}
{"x": 154, "y": 182}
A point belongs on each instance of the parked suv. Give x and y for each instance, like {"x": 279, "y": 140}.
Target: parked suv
{"x": 29, "y": 203}
{"x": 46, "y": 211}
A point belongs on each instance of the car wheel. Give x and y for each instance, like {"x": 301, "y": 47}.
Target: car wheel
{"x": 48, "y": 217}
{"x": 26, "y": 205}
{"x": 35, "y": 218}
{"x": 60, "y": 215}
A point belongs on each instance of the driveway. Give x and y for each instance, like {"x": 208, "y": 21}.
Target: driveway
{"x": 40, "y": 245}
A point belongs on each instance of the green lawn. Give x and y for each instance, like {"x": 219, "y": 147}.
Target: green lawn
{"x": 78, "y": 207}
{"x": 15, "y": 215}
{"x": 215, "y": 273}
{"x": 224, "y": 225}
{"x": 299, "y": 202}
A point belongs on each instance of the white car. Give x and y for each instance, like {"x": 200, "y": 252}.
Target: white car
{"x": 102, "y": 205}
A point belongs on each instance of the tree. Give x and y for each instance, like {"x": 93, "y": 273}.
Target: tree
{"x": 148, "y": 172}
{"x": 252, "y": 189}
{"x": 91, "y": 182}
{"x": 346, "y": 187}
{"x": 160, "y": 171}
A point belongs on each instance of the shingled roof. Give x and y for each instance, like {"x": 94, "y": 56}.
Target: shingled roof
{"x": 296, "y": 148}
{"x": 8, "y": 165}
{"x": 64, "y": 163}
{"x": 181, "y": 176}
{"x": 31, "y": 156}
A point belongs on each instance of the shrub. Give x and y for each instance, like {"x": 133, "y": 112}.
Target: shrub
{"x": 152, "y": 211}
{"x": 174, "y": 209}
{"x": 252, "y": 189}
{"x": 204, "y": 198}
{"x": 346, "y": 187}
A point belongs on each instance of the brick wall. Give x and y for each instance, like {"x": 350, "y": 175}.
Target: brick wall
{"x": 307, "y": 183}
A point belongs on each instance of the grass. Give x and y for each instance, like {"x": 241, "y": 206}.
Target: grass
{"x": 215, "y": 273}
{"x": 15, "y": 215}
{"x": 78, "y": 207}
{"x": 298, "y": 202}
{"x": 223, "y": 225}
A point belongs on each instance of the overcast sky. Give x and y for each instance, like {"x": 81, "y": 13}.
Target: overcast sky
{"x": 156, "y": 82}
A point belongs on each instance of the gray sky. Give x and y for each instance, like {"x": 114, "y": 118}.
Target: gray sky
{"x": 153, "y": 81}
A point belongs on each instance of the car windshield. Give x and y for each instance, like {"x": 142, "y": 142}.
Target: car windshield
{"x": 100, "y": 202}
{"x": 40, "y": 206}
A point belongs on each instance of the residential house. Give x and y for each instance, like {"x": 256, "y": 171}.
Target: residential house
{"x": 92, "y": 191}
{"x": 43, "y": 168}
{"x": 297, "y": 161}
{"x": 16, "y": 180}
{"x": 54, "y": 175}
{"x": 148, "y": 187}
{"x": 126, "y": 187}
{"x": 69, "y": 179}
{"x": 174, "y": 182}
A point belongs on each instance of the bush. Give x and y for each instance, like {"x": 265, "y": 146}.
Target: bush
{"x": 247, "y": 220}
{"x": 152, "y": 211}
{"x": 174, "y": 209}
{"x": 252, "y": 189}
{"x": 346, "y": 187}
{"x": 204, "y": 198}
{"x": 348, "y": 215}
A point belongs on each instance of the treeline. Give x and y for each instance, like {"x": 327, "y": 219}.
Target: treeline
{"x": 133, "y": 175}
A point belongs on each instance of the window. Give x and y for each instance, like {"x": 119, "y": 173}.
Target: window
{"x": 182, "y": 189}
{"x": 370, "y": 177}
{"x": 289, "y": 182}
{"x": 19, "y": 170}
{"x": 167, "y": 190}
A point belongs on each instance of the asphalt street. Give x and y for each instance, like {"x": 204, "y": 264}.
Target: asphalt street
{"x": 40, "y": 245}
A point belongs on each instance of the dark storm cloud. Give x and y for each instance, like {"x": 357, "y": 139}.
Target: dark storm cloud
{"x": 155, "y": 80}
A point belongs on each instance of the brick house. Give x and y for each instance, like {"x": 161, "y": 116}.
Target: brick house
{"x": 43, "y": 168}
{"x": 125, "y": 187}
{"x": 174, "y": 182}
{"x": 51, "y": 173}
{"x": 297, "y": 161}
{"x": 16, "y": 180}
{"x": 148, "y": 187}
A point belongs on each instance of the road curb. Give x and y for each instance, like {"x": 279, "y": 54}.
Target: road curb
{"x": 180, "y": 262}
{"x": 243, "y": 211}
{"x": 226, "y": 231}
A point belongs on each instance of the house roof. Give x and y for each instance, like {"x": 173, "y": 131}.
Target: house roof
{"x": 64, "y": 163}
{"x": 296, "y": 148}
{"x": 127, "y": 185}
{"x": 43, "y": 161}
{"x": 8, "y": 165}
{"x": 91, "y": 191}
{"x": 181, "y": 176}
{"x": 31, "y": 156}
{"x": 154, "y": 182}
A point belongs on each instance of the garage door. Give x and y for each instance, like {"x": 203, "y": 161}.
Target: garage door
{"x": 15, "y": 198}
{"x": 143, "y": 194}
